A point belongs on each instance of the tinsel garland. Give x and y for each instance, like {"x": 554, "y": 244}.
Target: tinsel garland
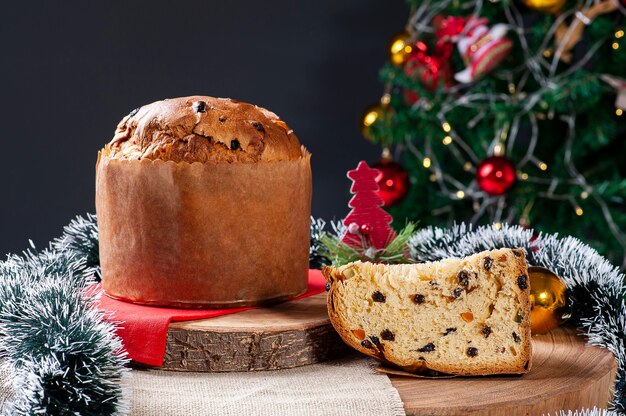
{"x": 81, "y": 239}
{"x": 62, "y": 356}
{"x": 317, "y": 254}
{"x": 587, "y": 412}
{"x": 65, "y": 359}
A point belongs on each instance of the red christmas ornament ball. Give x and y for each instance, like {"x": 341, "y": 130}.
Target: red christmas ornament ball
{"x": 392, "y": 180}
{"x": 495, "y": 175}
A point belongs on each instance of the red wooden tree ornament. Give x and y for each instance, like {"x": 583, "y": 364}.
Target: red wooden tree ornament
{"x": 368, "y": 223}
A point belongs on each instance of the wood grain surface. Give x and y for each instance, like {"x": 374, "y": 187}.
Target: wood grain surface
{"x": 287, "y": 335}
{"x": 565, "y": 374}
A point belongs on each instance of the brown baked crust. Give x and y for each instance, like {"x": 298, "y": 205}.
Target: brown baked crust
{"x": 522, "y": 364}
{"x": 202, "y": 129}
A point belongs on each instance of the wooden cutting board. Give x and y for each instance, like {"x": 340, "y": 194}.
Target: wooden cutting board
{"x": 565, "y": 374}
{"x": 287, "y": 335}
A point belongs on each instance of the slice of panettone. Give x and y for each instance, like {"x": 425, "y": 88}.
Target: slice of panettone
{"x": 466, "y": 316}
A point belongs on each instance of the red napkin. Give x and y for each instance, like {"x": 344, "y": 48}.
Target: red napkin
{"x": 143, "y": 329}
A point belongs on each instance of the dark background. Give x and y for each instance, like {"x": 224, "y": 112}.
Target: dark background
{"x": 70, "y": 71}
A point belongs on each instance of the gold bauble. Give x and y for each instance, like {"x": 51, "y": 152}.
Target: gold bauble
{"x": 370, "y": 116}
{"x": 545, "y": 6}
{"x": 548, "y": 299}
{"x": 399, "y": 48}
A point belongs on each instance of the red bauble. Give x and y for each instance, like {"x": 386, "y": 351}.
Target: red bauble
{"x": 495, "y": 175}
{"x": 392, "y": 180}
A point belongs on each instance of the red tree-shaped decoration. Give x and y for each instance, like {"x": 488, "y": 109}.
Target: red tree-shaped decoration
{"x": 368, "y": 223}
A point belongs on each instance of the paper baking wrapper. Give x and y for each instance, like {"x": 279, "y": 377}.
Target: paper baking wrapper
{"x": 203, "y": 234}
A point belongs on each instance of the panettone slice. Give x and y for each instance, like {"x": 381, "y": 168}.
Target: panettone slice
{"x": 466, "y": 316}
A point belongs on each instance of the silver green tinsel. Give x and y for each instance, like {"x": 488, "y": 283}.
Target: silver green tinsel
{"x": 587, "y": 412}
{"x": 62, "y": 357}
{"x": 80, "y": 239}
{"x": 317, "y": 258}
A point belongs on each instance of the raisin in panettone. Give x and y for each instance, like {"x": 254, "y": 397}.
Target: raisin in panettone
{"x": 203, "y": 202}
{"x": 457, "y": 316}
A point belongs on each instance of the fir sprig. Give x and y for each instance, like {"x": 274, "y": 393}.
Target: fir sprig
{"x": 394, "y": 253}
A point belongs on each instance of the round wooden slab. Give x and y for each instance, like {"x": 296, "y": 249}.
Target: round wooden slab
{"x": 287, "y": 335}
{"x": 565, "y": 374}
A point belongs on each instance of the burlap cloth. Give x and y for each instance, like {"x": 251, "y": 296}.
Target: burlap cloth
{"x": 348, "y": 386}
{"x": 6, "y": 392}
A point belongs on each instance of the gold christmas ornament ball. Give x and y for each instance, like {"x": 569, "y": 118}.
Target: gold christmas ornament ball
{"x": 370, "y": 116}
{"x": 545, "y": 6}
{"x": 399, "y": 48}
{"x": 548, "y": 299}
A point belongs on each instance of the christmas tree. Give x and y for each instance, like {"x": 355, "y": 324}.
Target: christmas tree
{"x": 507, "y": 111}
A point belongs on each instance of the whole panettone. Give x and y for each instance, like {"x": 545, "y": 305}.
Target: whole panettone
{"x": 203, "y": 202}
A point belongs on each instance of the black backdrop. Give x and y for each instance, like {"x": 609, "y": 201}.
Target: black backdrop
{"x": 71, "y": 70}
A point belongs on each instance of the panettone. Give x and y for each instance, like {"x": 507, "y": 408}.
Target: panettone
{"x": 457, "y": 316}
{"x": 203, "y": 202}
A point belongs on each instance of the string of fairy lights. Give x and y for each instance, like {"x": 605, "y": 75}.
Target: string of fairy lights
{"x": 541, "y": 67}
